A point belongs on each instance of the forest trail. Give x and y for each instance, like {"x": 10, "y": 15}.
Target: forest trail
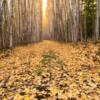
{"x": 50, "y": 70}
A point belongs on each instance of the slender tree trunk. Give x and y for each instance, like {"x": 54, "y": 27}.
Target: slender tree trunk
{"x": 97, "y": 21}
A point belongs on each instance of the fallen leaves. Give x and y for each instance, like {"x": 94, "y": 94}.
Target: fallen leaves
{"x": 50, "y": 70}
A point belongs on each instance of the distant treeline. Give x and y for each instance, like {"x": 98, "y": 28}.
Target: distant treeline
{"x": 67, "y": 21}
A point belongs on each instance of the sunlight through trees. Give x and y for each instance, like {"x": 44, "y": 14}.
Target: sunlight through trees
{"x": 44, "y": 7}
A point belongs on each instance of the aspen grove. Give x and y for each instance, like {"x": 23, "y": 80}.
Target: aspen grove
{"x": 21, "y": 21}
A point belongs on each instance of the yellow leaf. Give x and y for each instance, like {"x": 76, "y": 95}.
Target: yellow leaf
{"x": 17, "y": 97}
{"x": 27, "y": 90}
{"x": 54, "y": 90}
{"x": 26, "y": 97}
{"x": 1, "y": 65}
{"x": 97, "y": 65}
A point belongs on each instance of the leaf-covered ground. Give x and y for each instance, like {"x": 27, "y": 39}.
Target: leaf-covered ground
{"x": 51, "y": 71}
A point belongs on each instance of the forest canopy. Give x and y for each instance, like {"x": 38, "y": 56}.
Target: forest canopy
{"x": 26, "y": 21}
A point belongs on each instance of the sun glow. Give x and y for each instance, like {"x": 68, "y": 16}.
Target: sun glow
{"x": 44, "y": 7}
